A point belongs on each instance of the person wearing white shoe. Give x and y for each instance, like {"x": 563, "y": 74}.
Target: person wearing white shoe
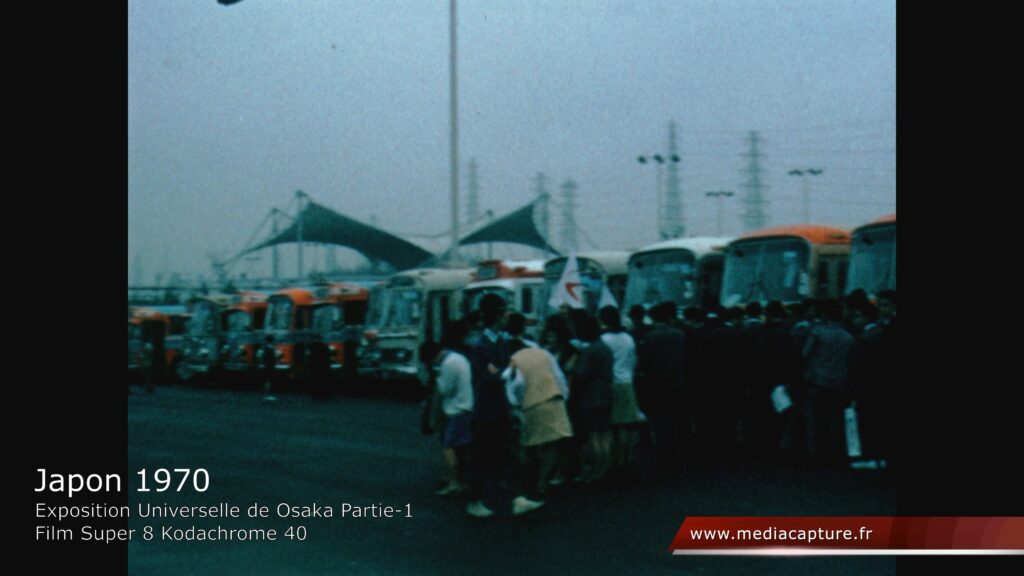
{"x": 537, "y": 391}
{"x": 455, "y": 392}
{"x": 521, "y": 505}
{"x": 479, "y": 510}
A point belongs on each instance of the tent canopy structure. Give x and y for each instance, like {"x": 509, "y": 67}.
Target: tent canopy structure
{"x": 516, "y": 228}
{"x": 325, "y": 226}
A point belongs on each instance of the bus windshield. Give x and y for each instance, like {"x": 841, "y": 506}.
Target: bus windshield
{"x": 204, "y": 319}
{"x": 873, "y": 261}
{"x": 662, "y": 276}
{"x": 765, "y": 270}
{"x": 379, "y": 296}
{"x": 473, "y": 296}
{"x": 279, "y": 313}
{"x": 327, "y": 318}
{"x": 238, "y": 321}
{"x": 404, "y": 309}
{"x": 394, "y": 307}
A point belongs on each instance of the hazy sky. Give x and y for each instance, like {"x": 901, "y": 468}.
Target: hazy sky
{"x": 232, "y": 109}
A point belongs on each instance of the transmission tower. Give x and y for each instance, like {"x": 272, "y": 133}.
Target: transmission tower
{"x": 673, "y": 226}
{"x": 568, "y": 216}
{"x": 754, "y": 203}
{"x": 544, "y": 218}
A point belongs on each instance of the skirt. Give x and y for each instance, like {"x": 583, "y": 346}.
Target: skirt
{"x": 625, "y": 409}
{"x": 545, "y": 422}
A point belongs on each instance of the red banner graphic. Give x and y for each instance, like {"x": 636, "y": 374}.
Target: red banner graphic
{"x": 849, "y": 535}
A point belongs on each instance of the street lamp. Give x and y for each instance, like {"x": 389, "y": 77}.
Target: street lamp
{"x": 803, "y": 173}
{"x": 720, "y": 195}
{"x": 660, "y": 160}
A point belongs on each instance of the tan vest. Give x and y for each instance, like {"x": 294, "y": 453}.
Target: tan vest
{"x": 541, "y": 385}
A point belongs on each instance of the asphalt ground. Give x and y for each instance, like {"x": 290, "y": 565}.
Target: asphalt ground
{"x": 368, "y": 450}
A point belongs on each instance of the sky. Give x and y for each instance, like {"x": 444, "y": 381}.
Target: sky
{"x": 233, "y": 109}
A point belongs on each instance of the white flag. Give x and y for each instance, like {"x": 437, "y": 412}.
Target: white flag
{"x": 569, "y": 290}
{"x": 607, "y": 299}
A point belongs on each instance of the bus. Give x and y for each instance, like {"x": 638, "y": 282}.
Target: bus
{"x": 598, "y": 270}
{"x": 687, "y": 271}
{"x": 203, "y": 339}
{"x": 156, "y": 337}
{"x": 296, "y": 317}
{"x": 785, "y": 263}
{"x": 243, "y": 331}
{"x": 519, "y": 283}
{"x": 408, "y": 309}
{"x": 873, "y": 257}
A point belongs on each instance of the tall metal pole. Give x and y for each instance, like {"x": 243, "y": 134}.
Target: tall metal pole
{"x": 274, "y": 214}
{"x": 454, "y": 253}
{"x": 803, "y": 173}
{"x": 299, "y": 194}
{"x": 661, "y": 202}
{"x": 807, "y": 200}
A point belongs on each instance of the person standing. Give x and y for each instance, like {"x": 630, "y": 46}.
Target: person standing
{"x": 591, "y": 387}
{"x": 269, "y": 357}
{"x": 827, "y": 354}
{"x": 661, "y": 364}
{"x": 455, "y": 393}
{"x": 491, "y": 423}
{"x": 625, "y": 411}
{"x": 537, "y": 391}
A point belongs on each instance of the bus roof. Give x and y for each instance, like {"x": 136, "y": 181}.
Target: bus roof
{"x": 433, "y": 278}
{"x": 880, "y": 221}
{"x": 814, "y": 234}
{"x": 493, "y": 269}
{"x": 161, "y": 313}
{"x": 699, "y": 245}
{"x": 300, "y": 296}
{"x": 613, "y": 261}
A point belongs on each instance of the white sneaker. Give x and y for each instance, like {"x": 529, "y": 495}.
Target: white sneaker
{"x": 450, "y": 489}
{"x": 522, "y": 505}
{"x": 478, "y": 510}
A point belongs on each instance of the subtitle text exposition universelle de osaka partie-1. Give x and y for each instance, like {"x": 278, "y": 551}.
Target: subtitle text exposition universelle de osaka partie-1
{"x": 50, "y": 516}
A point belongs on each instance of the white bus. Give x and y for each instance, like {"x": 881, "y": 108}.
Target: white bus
{"x": 408, "y": 309}
{"x": 873, "y": 257}
{"x": 687, "y": 271}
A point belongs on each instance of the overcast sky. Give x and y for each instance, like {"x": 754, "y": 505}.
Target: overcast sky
{"x": 232, "y": 109}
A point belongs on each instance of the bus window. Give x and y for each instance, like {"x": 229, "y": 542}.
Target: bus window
{"x": 527, "y": 300}
{"x": 405, "y": 308}
{"x": 327, "y": 319}
{"x": 842, "y": 269}
{"x": 823, "y": 278}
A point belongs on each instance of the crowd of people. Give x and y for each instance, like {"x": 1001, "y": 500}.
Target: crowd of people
{"x": 776, "y": 381}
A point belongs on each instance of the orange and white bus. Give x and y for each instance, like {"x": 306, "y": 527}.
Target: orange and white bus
{"x": 518, "y": 282}
{"x": 873, "y": 257}
{"x": 156, "y": 336}
{"x": 687, "y": 271}
{"x": 296, "y": 317}
{"x": 243, "y": 322}
{"x": 785, "y": 263}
